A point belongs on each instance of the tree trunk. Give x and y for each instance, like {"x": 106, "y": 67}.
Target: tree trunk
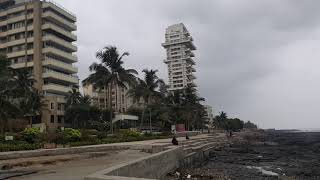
{"x": 142, "y": 116}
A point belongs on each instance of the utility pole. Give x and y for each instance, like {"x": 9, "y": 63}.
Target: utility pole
{"x": 150, "y": 120}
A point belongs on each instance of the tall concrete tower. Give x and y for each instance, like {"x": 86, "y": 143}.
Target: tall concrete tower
{"x": 39, "y": 35}
{"x": 179, "y": 46}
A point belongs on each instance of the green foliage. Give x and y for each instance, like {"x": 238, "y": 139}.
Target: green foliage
{"x": 31, "y": 135}
{"x": 250, "y": 125}
{"x": 18, "y": 146}
{"x": 18, "y": 97}
{"x": 127, "y": 133}
{"x": 222, "y": 121}
{"x": 70, "y": 135}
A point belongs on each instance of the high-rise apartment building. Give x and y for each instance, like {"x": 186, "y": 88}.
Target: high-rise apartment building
{"x": 38, "y": 35}
{"x": 179, "y": 46}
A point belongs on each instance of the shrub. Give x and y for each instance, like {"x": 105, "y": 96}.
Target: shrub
{"x": 102, "y": 135}
{"x": 18, "y": 146}
{"x": 85, "y": 143}
{"x": 71, "y": 135}
{"x": 31, "y": 135}
{"x": 128, "y": 133}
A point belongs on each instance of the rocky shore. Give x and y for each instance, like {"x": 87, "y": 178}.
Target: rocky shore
{"x": 261, "y": 155}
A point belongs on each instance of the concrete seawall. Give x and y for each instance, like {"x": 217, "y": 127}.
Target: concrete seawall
{"x": 154, "y": 166}
{"x": 158, "y": 165}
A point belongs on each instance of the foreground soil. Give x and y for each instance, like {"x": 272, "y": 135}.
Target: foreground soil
{"x": 261, "y": 155}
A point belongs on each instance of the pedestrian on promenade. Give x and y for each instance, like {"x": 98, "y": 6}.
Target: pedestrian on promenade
{"x": 174, "y": 141}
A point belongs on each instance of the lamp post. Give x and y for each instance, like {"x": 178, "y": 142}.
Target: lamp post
{"x": 150, "y": 120}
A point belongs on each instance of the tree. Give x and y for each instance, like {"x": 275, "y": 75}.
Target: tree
{"x": 18, "y": 97}
{"x": 73, "y": 97}
{"x": 221, "y": 119}
{"x": 81, "y": 113}
{"x": 250, "y": 125}
{"x": 147, "y": 90}
{"x": 110, "y": 72}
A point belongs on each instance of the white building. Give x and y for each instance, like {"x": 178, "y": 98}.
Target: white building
{"x": 209, "y": 116}
{"x": 179, "y": 46}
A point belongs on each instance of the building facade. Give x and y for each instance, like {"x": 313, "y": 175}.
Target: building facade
{"x": 121, "y": 102}
{"x": 209, "y": 116}
{"x": 38, "y": 35}
{"x": 179, "y": 46}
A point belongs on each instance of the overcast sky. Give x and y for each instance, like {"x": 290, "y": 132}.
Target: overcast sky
{"x": 256, "y": 60}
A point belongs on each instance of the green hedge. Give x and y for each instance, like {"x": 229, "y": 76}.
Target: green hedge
{"x": 18, "y": 146}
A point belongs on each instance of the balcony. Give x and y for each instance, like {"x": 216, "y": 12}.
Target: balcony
{"x": 189, "y": 60}
{"x": 22, "y": 65}
{"x": 60, "y": 9}
{"x": 186, "y": 40}
{"x": 191, "y": 76}
{"x": 18, "y": 30}
{"x": 19, "y": 7}
{"x": 65, "y": 67}
{"x": 3, "y": 23}
{"x": 60, "y": 41}
{"x": 68, "y": 35}
{"x": 191, "y": 83}
{"x": 19, "y": 53}
{"x": 190, "y": 68}
{"x": 58, "y": 19}
{"x": 18, "y": 42}
{"x": 64, "y": 55}
{"x": 19, "y": 18}
{"x": 56, "y": 88}
{"x": 60, "y": 76}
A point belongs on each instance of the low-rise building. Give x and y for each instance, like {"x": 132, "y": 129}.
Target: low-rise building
{"x": 121, "y": 102}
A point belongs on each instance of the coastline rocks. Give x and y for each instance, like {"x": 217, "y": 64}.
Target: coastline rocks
{"x": 263, "y": 155}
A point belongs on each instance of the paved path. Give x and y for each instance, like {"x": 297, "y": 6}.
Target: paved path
{"x": 77, "y": 166}
{"x": 78, "y": 169}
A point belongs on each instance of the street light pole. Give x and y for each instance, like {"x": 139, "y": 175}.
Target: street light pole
{"x": 150, "y": 120}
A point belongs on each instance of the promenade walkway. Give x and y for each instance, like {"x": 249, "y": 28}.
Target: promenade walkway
{"x": 76, "y": 166}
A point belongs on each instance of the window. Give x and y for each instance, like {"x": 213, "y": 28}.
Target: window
{"x": 60, "y": 119}
{"x": 52, "y": 118}
{"x": 52, "y": 105}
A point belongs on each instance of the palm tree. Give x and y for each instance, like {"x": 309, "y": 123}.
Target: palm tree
{"x": 17, "y": 96}
{"x": 147, "y": 90}
{"x": 110, "y": 73}
{"x": 221, "y": 119}
{"x": 73, "y": 97}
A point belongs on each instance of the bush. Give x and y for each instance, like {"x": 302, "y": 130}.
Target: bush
{"x": 128, "y": 133}
{"x": 18, "y": 146}
{"x": 71, "y": 135}
{"x": 31, "y": 135}
{"x": 85, "y": 143}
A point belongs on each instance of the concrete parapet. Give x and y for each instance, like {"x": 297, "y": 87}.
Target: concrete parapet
{"x": 60, "y": 151}
{"x": 154, "y": 166}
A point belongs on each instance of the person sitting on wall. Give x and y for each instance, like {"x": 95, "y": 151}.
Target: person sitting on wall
{"x": 174, "y": 141}
{"x": 187, "y": 137}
